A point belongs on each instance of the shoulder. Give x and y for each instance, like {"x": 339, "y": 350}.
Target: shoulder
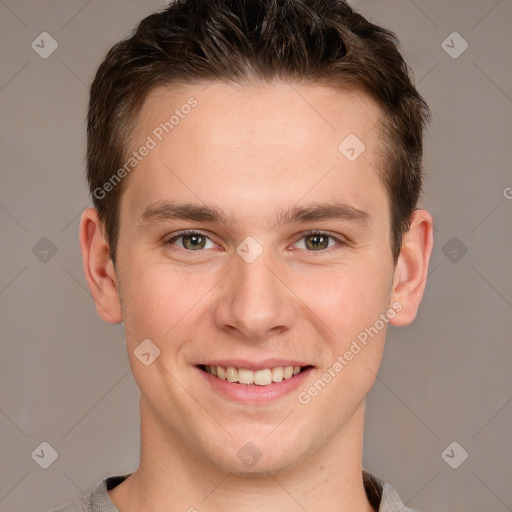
{"x": 97, "y": 501}
{"x": 382, "y": 496}
{"x": 82, "y": 504}
{"x": 391, "y": 501}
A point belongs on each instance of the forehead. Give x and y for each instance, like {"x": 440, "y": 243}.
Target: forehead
{"x": 244, "y": 146}
{"x": 241, "y": 111}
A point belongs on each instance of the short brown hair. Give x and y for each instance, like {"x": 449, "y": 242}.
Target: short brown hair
{"x": 308, "y": 41}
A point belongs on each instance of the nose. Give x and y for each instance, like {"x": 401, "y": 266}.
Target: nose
{"x": 255, "y": 302}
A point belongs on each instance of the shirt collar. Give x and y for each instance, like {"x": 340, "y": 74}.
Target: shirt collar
{"x": 382, "y": 496}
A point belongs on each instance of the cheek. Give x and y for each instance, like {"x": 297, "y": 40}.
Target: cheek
{"x": 157, "y": 298}
{"x": 347, "y": 300}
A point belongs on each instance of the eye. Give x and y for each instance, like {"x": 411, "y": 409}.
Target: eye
{"x": 314, "y": 241}
{"x": 318, "y": 240}
{"x": 191, "y": 240}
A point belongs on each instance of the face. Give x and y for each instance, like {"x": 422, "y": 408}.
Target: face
{"x": 288, "y": 264}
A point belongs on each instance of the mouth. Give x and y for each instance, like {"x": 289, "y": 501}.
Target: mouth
{"x": 246, "y": 377}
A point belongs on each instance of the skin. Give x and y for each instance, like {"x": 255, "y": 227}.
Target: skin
{"x": 253, "y": 151}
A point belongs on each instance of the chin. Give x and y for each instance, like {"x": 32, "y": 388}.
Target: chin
{"x": 257, "y": 455}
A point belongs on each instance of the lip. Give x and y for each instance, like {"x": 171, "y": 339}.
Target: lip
{"x": 252, "y": 365}
{"x": 254, "y": 394}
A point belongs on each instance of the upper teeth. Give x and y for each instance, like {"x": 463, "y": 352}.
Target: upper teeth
{"x": 259, "y": 377}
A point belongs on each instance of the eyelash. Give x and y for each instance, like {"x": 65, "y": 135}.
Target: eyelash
{"x": 303, "y": 235}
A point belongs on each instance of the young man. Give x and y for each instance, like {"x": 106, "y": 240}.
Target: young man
{"x": 255, "y": 168}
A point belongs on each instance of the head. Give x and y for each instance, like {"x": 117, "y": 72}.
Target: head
{"x": 244, "y": 110}
{"x": 309, "y": 42}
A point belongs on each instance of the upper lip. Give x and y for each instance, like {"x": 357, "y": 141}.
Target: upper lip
{"x": 254, "y": 365}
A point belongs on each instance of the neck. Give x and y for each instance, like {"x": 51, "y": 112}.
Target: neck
{"x": 174, "y": 478}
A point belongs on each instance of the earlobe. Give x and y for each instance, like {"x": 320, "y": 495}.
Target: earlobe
{"x": 411, "y": 270}
{"x": 98, "y": 268}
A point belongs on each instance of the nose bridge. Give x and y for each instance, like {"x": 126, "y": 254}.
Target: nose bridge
{"x": 256, "y": 301}
{"x": 255, "y": 280}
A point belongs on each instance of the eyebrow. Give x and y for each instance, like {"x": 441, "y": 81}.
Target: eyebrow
{"x": 167, "y": 211}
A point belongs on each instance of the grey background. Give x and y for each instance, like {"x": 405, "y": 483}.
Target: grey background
{"x": 64, "y": 374}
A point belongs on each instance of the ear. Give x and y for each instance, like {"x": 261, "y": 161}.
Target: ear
{"x": 98, "y": 267}
{"x": 411, "y": 270}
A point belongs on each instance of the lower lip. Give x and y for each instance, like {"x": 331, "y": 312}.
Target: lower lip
{"x": 254, "y": 394}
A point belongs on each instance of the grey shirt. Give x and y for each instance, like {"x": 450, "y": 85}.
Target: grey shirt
{"x": 381, "y": 495}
